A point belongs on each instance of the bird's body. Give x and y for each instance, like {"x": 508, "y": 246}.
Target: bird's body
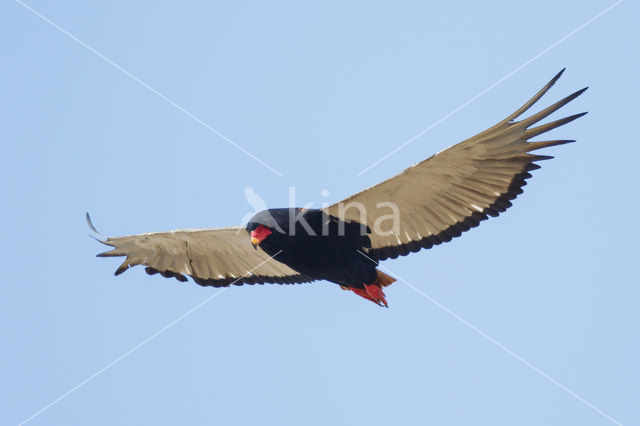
{"x": 429, "y": 203}
{"x": 320, "y": 250}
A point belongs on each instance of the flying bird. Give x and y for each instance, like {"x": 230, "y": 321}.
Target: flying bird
{"x": 429, "y": 203}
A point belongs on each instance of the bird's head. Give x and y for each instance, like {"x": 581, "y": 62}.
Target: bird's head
{"x": 259, "y": 234}
{"x": 268, "y": 222}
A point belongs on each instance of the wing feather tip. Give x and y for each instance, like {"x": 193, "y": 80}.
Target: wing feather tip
{"x": 572, "y": 96}
{"x": 110, "y": 253}
{"x": 557, "y": 77}
{"x": 122, "y": 268}
{"x": 90, "y": 223}
{"x": 541, "y": 157}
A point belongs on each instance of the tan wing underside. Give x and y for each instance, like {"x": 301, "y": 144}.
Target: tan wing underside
{"x": 456, "y": 189}
{"x": 212, "y": 257}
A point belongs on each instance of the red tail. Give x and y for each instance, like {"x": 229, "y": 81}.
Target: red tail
{"x": 383, "y": 280}
{"x": 374, "y": 291}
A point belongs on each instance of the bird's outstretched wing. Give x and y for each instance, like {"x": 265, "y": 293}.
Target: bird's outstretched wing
{"x": 454, "y": 190}
{"x": 212, "y": 257}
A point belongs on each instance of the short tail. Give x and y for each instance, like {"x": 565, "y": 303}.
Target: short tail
{"x": 383, "y": 280}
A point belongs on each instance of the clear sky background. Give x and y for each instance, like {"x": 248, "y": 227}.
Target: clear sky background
{"x": 319, "y": 92}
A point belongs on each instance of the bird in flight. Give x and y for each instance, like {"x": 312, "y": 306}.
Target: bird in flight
{"x": 429, "y": 203}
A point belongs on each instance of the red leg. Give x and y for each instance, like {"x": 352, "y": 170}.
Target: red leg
{"x": 372, "y": 292}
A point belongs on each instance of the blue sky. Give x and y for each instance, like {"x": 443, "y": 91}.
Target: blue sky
{"x": 318, "y": 92}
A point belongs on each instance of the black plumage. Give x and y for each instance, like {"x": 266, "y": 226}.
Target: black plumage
{"x": 318, "y": 245}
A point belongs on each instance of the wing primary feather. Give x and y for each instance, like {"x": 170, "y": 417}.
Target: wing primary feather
{"x": 535, "y": 131}
{"x": 545, "y": 144}
{"x": 122, "y": 268}
{"x": 111, "y": 253}
{"x": 551, "y": 109}
{"x": 101, "y": 239}
{"x": 532, "y": 166}
{"x": 540, "y": 157}
{"x": 90, "y": 224}
{"x": 535, "y": 98}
